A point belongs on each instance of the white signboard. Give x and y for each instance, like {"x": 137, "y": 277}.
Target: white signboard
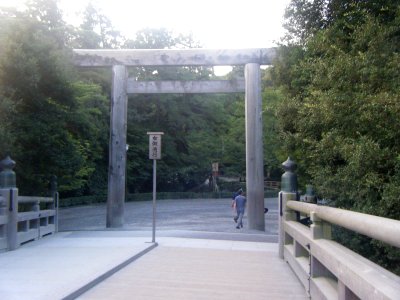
{"x": 155, "y": 145}
{"x": 214, "y": 167}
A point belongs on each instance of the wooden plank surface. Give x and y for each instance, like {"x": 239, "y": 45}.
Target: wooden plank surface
{"x": 172, "y": 57}
{"x": 169, "y": 272}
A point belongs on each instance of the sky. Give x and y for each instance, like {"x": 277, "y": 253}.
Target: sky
{"x": 215, "y": 24}
{"x": 224, "y": 24}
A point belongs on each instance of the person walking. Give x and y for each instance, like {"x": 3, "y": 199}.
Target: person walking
{"x": 240, "y": 204}
{"x": 234, "y": 196}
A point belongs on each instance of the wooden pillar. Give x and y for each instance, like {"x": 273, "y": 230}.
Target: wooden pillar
{"x": 285, "y": 214}
{"x": 117, "y": 151}
{"x": 11, "y": 197}
{"x": 319, "y": 229}
{"x": 344, "y": 293}
{"x": 254, "y": 148}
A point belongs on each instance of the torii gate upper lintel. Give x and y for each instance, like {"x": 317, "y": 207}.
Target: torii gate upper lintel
{"x": 120, "y": 59}
{"x": 172, "y": 57}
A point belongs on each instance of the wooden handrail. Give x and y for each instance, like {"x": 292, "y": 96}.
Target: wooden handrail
{"x": 326, "y": 268}
{"x": 34, "y": 199}
{"x": 383, "y": 229}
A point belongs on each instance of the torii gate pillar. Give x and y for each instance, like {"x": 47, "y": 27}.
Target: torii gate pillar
{"x": 254, "y": 148}
{"x": 117, "y": 154}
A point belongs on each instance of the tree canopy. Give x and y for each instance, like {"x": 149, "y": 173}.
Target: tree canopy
{"x": 55, "y": 118}
{"x": 338, "y": 69}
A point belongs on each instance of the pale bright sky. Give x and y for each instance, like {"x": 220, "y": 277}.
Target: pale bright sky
{"x": 215, "y": 23}
{"x": 223, "y": 24}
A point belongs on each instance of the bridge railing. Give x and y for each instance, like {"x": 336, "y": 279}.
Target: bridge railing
{"x": 327, "y": 269}
{"x": 23, "y": 218}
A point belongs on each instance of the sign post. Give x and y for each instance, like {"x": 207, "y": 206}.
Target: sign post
{"x": 154, "y": 154}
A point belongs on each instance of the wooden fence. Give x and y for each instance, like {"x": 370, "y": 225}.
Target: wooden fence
{"x": 272, "y": 185}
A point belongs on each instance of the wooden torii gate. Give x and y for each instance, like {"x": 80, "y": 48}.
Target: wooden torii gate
{"x": 119, "y": 60}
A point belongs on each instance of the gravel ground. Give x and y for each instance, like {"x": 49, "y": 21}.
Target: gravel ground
{"x": 197, "y": 216}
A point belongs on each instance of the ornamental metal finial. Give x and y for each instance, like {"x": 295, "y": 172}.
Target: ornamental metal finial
{"x": 289, "y": 165}
{"x": 7, "y": 175}
{"x": 289, "y": 178}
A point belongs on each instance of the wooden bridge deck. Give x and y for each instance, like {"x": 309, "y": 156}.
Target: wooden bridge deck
{"x": 203, "y": 269}
{"x": 124, "y": 265}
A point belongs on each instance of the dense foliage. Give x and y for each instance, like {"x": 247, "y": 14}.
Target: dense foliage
{"x": 46, "y": 120}
{"x": 331, "y": 102}
{"x": 55, "y": 117}
{"x": 338, "y": 69}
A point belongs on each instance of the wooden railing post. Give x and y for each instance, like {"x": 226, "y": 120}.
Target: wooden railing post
{"x": 344, "y": 293}
{"x": 10, "y": 193}
{"x": 56, "y": 203}
{"x": 3, "y": 222}
{"x": 54, "y": 195}
{"x": 35, "y": 224}
{"x": 320, "y": 229}
{"x": 289, "y": 192}
{"x": 285, "y": 214}
{"x": 12, "y": 225}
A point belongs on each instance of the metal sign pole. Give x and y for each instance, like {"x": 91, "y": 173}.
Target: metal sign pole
{"x": 154, "y": 198}
{"x": 154, "y": 154}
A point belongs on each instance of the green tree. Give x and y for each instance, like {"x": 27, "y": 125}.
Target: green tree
{"x": 273, "y": 155}
{"x": 234, "y": 139}
{"x": 90, "y": 123}
{"x": 193, "y": 124}
{"x": 341, "y": 101}
{"x": 7, "y": 138}
{"x": 45, "y": 120}
{"x": 235, "y": 136}
{"x": 96, "y": 31}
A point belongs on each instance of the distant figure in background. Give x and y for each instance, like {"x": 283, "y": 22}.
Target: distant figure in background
{"x": 240, "y": 204}
{"x": 234, "y": 195}
{"x": 210, "y": 180}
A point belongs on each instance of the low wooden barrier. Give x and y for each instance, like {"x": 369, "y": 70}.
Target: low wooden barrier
{"x": 24, "y": 219}
{"x": 327, "y": 269}
{"x": 272, "y": 185}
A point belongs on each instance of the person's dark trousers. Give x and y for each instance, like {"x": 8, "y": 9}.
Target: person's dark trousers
{"x": 239, "y": 218}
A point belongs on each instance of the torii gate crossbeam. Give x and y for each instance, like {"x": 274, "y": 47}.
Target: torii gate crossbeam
{"x": 119, "y": 60}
